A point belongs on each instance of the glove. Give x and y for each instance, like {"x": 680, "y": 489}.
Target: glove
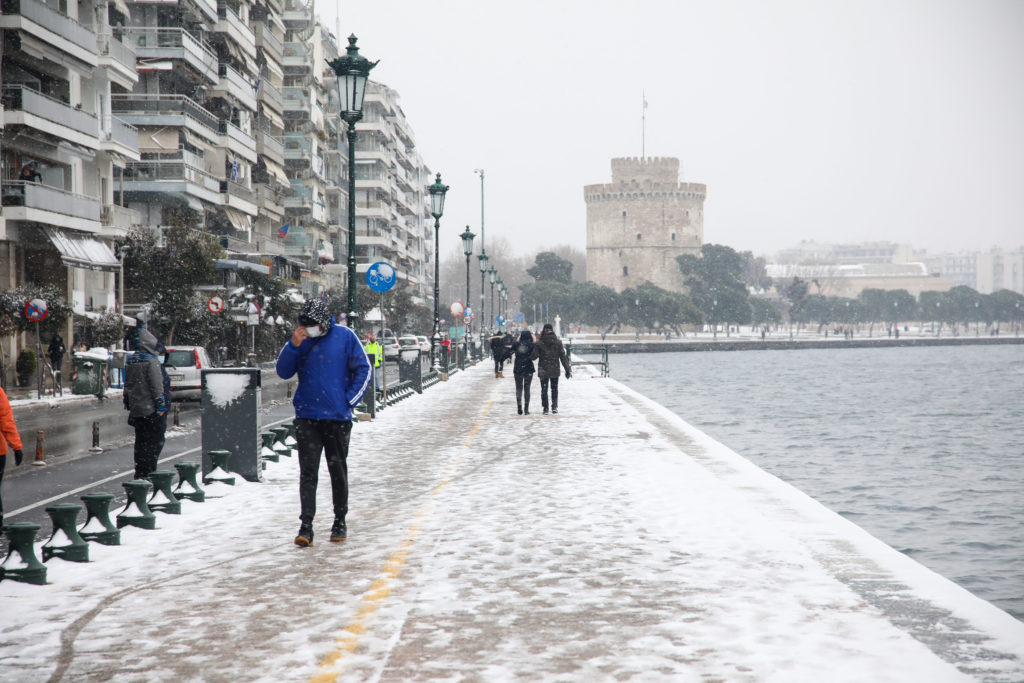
{"x": 568, "y": 374}
{"x": 18, "y": 456}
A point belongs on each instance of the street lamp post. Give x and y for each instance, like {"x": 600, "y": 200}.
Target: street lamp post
{"x": 501, "y": 286}
{"x": 437, "y": 192}
{"x": 492, "y": 275}
{"x": 467, "y": 249}
{"x": 352, "y": 71}
{"x": 714, "y": 319}
{"x": 483, "y": 292}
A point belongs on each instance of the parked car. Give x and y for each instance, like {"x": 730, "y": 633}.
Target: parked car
{"x": 408, "y": 342}
{"x": 183, "y": 365}
{"x": 390, "y": 346}
{"x": 424, "y": 343}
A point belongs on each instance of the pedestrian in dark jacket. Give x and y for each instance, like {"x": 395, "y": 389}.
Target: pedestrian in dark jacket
{"x": 146, "y": 403}
{"x": 548, "y": 350}
{"x": 498, "y": 353}
{"x": 522, "y": 371}
{"x": 334, "y": 372}
{"x": 56, "y": 351}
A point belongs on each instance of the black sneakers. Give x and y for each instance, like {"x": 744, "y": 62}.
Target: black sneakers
{"x": 304, "y": 538}
{"x": 554, "y": 410}
{"x": 338, "y": 530}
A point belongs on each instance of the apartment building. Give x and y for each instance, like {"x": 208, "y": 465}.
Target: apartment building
{"x": 393, "y": 221}
{"x": 64, "y": 148}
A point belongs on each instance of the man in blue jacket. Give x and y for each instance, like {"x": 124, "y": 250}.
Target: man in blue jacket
{"x": 333, "y": 373}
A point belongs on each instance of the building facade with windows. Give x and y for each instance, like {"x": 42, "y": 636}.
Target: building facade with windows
{"x": 640, "y": 222}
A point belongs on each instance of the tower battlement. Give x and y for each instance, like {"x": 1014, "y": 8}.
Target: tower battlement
{"x": 663, "y": 170}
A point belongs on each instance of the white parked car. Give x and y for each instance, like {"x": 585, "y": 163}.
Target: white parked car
{"x": 183, "y": 365}
{"x": 407, "y": 342}
{"x": 390, "y": 346}
{"x": 424, "y": 343}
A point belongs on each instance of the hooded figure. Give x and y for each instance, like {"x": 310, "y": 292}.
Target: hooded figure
{"x": 498, "y": 353}
{"x": 522, "y": 371}
{"x": 333, "y": 373}
{"x": 550, "y": 351}
{"x": 146, "y": 403}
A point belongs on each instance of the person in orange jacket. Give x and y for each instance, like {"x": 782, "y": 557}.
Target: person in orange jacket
{"x": 8, "y": 435}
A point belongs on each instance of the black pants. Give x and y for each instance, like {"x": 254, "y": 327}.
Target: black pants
{"x": 523, "y": 382}
{"x": 3, "y": 464}
{"x": 330, "y": 437}
{"x": 149, "y": 442}
{"x": 544, "y": 392}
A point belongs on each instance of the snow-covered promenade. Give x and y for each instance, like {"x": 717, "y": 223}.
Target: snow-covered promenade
{"x": 611, "y": 541}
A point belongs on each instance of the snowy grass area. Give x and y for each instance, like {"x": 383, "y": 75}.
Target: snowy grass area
{"x": 611, "y": 541}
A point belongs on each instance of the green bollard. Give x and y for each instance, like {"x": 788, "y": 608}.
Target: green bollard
{"x": 220, "y": 472}
{"x": 98, "y": 526}
{"x": 163, "y": 498}
{"x": 268, "y": 452}
{"x": 65, "y": 543}
{"x": 136, "y": 512}
{"x": 289, "y": 439}
{"x": 280, "y": 447}
{"x": 21, "y": 563}
{"x": 188, "y": 486}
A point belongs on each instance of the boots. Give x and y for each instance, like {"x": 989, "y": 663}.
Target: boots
{"x": 338, "y": 530}
{"x": 305, "y": 536}
{"x": 519, "y": 407}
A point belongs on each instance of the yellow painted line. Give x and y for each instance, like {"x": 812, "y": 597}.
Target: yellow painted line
{"x": 332, "y": 664}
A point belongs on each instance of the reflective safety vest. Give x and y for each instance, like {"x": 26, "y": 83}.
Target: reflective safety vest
{"x": 374, "y": 347}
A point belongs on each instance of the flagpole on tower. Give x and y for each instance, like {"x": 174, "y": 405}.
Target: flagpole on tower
{"x": 643, "y": 130}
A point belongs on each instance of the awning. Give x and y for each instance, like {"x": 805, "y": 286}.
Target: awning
{"x": 274, "y": 118}
{"x": 234, "y": 264}
{"x": 273, "y": 67}
{"x": 238, "y": 219}
{"x": 83, "y": 251}
{"x": 122, "y": 7}
{"x": 277, "y": 172}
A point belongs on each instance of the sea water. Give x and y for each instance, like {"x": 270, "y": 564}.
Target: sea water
{"x": 922, "y": 447}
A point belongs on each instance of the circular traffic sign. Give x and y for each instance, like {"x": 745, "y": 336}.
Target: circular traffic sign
{"x": 467, "y": 319}
{"x": 36, "y": 310}
{"x": 456, "y": 309}
{"x": 500, "y": 320}
{"x": 380, "y": 276}
{"x": 215, "y": 304}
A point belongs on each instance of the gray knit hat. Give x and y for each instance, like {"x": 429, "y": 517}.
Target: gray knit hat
{"x": 314, "y": 312}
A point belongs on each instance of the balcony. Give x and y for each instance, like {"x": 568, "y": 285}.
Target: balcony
{"x": 270, "y": 43}
{"x": 237, "y": 140}
{"x": 229, "y": 24}
{"x": 51, "y": 27}
{"x": 174, "y": 44}
{"x": 270, "y": 146}
{"x": 232, "y": 84}
{"x": 171, "y": 177}
{"x": 50, "y": 206}
{"x": 270, "y": 200}
{"x": 298, "y": 147}
{"x": 35, "y": 110}
{"x": 239, "y": 196}
{"x": 118, "y": 58}
{"x": 167, "y": 110}
{"x": 271, "y": 95}
{"x": 295, "y": 59}
{"x": 297, "y": 99}
{"x": 120, "y": 137}
{"x": 118, "y": 220}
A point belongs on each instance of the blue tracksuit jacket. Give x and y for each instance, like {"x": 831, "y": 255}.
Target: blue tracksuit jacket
{"x": 333, "y": 374}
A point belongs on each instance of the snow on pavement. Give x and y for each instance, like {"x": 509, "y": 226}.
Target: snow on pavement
{"x": 610, "y": 541}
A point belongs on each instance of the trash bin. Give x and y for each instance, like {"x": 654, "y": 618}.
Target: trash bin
{"x": 89, "y": 372}
{"x": 409, "y": 368}
{"x": 230, "y": 418}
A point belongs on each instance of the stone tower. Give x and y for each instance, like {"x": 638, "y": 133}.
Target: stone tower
{"x": 638, "y": 223}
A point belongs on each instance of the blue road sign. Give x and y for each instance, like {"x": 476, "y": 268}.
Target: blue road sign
{"x": 500, "y": 320}
{"x": 380, "y": 277}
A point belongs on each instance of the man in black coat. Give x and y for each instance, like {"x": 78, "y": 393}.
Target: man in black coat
{"x": 548, "y": 349}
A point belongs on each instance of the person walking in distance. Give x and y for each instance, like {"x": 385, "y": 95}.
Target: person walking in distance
{"x": 372, "y": 346}
{"x": 8, "y": 435}
{"x": 145, "y": 402}
{"x": 333, "y": 372}
{"x": 56, "y": 351}
{"x": 548, "y": 350}
{"x": 522, "y": 371}
{"x": 498, "y": 353}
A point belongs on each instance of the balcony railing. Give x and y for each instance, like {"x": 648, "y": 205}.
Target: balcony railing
{"x": 228, "y": 22}
{"x": 146, "y": 171}
{"x": 22, "y": 98}
{"x": 237, "y": 190}
{"x": 54, "y": 21}
{"x": 171, "y": 43}
{"x": 270, "y": 92}
{"x": 110, "y": 46}
{"x": 47, "y": 198}
{"x": 122, "y": 133}
{"x": 119, "y": 217}
{"x": 237, "y": 85}
{"x": 266, "y": 39}
{"x": 236, "y": 135}
{"x": 270, "y": 143}
{"x": 155, "y": 105}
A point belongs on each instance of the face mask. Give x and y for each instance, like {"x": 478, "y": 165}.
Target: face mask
{"x": 163, "y": 359}
{"x": 314, "y": 331}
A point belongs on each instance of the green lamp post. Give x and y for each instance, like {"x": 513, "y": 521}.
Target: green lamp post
{"x": 352, "y": 71}
{"x": 467, "y": 249}
{"x": 492, "y": 275}
{"x": 483, "y": 292}
{"x": 437, "y": 193}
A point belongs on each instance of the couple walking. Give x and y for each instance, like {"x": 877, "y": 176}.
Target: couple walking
{"x": 548, "y": 351}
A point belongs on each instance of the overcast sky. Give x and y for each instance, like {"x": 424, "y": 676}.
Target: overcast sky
{"x": 833, "y": 121}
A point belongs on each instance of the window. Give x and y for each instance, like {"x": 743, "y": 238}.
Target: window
{"x": 623, "y": 214}
{"x": 638, "y": 236}
{"x": 625, "y": 271}
{"x": 673, "y": 237}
